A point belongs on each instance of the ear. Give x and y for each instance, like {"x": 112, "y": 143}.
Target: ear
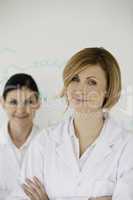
{"x": 39, "y": 103}
{"x": 2, "y": 102}
{"x": 65, "y": 92}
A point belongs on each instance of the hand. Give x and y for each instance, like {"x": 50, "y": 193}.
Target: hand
{"x": 34, "y": 189}
{"x": 102, "y": 198}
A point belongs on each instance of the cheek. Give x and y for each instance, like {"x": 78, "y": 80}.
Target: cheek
{"x": 69, "y": 91}
{"x": 96, "y": 94}
{"x": 96, "y": 98}
{"x": 32, "y": 112}
{"x": 28, "y": 109}
{"x": 10, "y": 111}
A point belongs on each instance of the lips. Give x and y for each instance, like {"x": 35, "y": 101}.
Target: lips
{"x": 21, "y": 117}
{"x": 78, "y": 99}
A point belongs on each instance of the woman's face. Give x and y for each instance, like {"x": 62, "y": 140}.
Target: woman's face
{"x": 86, "y": 92}
{"x": 21, "y": 105}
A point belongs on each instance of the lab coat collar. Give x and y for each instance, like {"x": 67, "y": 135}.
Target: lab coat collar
{"x": 64, "y": 148}
{"x": 5, "y": 137}
{"x": 109, "y": 133}
{"x": 34, "y": 131}
{"x": 107, "y": 139}
{"x": 58, "y": 132}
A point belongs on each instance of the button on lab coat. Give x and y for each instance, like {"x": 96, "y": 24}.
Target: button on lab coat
{"x": 108, "y": 171}
{"x": 10, "y": 160}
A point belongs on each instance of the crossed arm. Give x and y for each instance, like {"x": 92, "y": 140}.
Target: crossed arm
{"x": 35, "y": 190}
{"x": 101, "y": 198}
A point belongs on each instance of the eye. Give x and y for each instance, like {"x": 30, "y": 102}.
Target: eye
{"x": 75, "y": 78}
{"x": 28, "y": 102}
{"x": 92, "y": 82}
{"x": 13, "y": 102}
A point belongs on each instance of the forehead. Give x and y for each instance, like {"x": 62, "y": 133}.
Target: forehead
{"x": 18, "y": 93}
{"x": 93, "y": 70}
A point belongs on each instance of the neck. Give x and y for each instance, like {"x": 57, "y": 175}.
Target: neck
{"x": 19, "y": 133}
{"x": 88, "y": 125}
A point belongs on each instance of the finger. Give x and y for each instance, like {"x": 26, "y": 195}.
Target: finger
{"x": 31, "y": 192}
{"x": 102, "y": 198}
{"x": 38, "y": 189}
{"x": 27, "y": 192}
{"x": 41, "y": 186}
{"x": 32, "y": 184}
{"x": 39, "y": 183}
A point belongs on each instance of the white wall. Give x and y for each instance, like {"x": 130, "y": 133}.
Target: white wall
{"x": 39, "y": 36}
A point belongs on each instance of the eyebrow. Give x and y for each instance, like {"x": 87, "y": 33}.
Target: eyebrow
{"x": 86, "y": 77}
{"x": 90, "y": 77}
{"x": 16, "y": 98}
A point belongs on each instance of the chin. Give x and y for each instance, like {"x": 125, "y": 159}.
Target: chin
{"x": 84, "y": 109}
{"x": 21, "y": 120}
{"x": 80, "y": 109}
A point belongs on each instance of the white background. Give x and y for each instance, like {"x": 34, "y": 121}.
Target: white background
{"x": 38, "y": 37}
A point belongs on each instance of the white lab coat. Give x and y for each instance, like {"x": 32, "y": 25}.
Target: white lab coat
{"x": 11, "y": 159}
{"x": 107, "y": 171}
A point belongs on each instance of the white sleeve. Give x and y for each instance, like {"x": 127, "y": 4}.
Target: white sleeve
{"x": 33, "y": 165}
{"x": 124, "y": 185}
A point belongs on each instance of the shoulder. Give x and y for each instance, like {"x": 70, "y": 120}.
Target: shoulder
{"x": 126, "y": 155}
{"x": 59, "y": 130}
{"x": 4, "y": 133}
{"x": 117, "y": 131}
{"x": 125, "y": 134}
{"x": 52, "y": 134}
{"x": 125, "y": 137}
{"x": 37, "y": 129}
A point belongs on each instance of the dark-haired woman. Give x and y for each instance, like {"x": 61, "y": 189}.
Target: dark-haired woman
{"x": 20, "y": 100}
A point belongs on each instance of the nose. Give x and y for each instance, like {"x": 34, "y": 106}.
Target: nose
{"x": 81, "y": 88}
{"x": 20, "y": 109}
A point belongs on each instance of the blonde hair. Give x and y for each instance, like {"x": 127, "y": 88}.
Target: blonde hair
{"x": 92, "y": 56}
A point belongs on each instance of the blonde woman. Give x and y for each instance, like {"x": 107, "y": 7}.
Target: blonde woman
{"x": 88, "y": 155}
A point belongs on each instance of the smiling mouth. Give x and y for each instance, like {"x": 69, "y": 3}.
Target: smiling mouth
{"x": 21, "y": 117}
{"x": 81, "y": 100}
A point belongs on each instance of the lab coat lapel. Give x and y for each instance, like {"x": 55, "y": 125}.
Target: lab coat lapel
{"x": 64, "y": 148}
{"x": 100, "y": 152}
{"x": 103, "y": 149}
{"x": 66, "y": 153}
